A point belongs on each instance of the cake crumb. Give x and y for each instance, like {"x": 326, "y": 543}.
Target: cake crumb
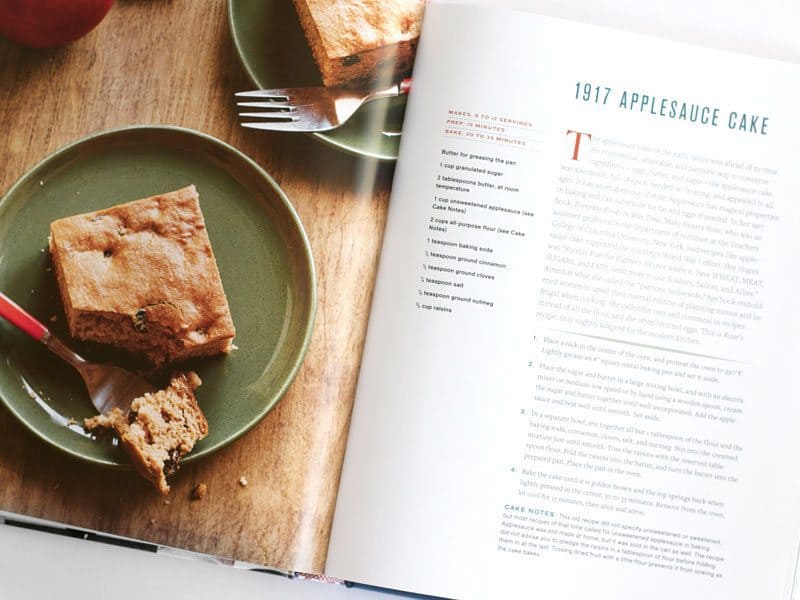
{"x": 243, "y": 481}
{"x": 199, "y": 491}
{"x": 71, "y": 421}
{"x": 166, "y": 501}
{"x": 152, "y": 521}
{"x": 53, "y": 319}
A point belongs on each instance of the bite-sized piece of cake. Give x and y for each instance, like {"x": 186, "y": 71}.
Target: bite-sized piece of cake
{"x": 357, "y": 39}
{"x": 142, "y": 277}
{"x": 159, "y": 430}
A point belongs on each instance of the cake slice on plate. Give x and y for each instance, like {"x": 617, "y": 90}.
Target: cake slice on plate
{"x": 360, "y": 39}
{"x": 142, "y": 277}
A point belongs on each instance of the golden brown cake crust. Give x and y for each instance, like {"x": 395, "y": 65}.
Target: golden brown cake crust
{"x": 142, "y": 276}
{"x": 353, "y": 39}
{"x": 347, "y": 27}
{"x": 159, "y": 429}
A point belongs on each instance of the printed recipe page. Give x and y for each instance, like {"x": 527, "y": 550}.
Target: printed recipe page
{"x": 578, "y": 376}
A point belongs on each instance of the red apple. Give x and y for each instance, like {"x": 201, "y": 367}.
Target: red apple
{"x": 49, "y": 23}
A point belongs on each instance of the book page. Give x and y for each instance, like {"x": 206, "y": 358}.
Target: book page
{"x": 578, "y": 379}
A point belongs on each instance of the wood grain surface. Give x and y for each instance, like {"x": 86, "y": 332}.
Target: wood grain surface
{"x": 173, "y": 62}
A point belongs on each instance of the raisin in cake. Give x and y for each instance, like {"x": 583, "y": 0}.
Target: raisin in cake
{"x": 357, "y": 39}
{"x": 142, "y": 277}
{"x": 159, "y": 429}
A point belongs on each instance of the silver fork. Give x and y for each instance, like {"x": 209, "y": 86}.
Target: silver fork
{"x": 310, "y": 109}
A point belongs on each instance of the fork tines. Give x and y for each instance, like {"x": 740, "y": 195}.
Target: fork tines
{"x": 301, "y": 109}
{"x": 267, "y": 94}
{"x": 276, "y": 105}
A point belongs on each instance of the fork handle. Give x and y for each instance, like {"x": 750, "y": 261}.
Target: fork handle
{"x": 27, "y": 323}
{"x": 400, "y": 88}
{"x": 17, "y": 316}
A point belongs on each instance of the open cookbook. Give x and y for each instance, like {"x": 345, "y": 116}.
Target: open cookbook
{"x": 578, "y": 374}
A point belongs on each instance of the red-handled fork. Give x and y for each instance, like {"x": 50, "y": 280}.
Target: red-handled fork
{"x": 109, "y": 386}
{"x": 311, "y": 108}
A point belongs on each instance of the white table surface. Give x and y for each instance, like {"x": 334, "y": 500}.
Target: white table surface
{"x": 43, "y": 565}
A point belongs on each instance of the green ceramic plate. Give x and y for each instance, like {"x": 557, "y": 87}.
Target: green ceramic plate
{"x": 274, "y": 52}
{"x": 262, "y": 252}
